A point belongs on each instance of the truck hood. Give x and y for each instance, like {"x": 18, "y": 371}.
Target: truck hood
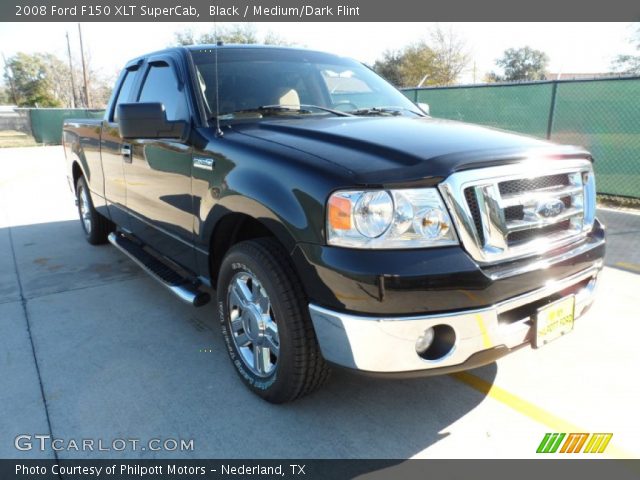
{"x": 388, "y": 150}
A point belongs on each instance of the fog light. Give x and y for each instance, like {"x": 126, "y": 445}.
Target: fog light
{"x": 436, "y": 342}
{"x": 425, "y": 340}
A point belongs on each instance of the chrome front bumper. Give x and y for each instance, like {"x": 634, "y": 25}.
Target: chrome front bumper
{"x": 387, "y": 345}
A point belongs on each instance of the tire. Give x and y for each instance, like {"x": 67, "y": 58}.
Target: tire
{"x": 265, "y": 322}
{"x": 96, "y": 227}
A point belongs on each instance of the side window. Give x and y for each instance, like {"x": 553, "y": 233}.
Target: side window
{"x": 161, "y": 85}
{"x": 125, "y": 91}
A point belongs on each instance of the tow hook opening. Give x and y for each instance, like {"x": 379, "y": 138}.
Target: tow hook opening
{"x": 436, "y": 342}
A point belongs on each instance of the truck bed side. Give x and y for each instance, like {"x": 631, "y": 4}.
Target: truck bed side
{"x": 81, "y": 141}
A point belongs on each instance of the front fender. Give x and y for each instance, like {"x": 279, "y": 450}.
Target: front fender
{"x": 284, "y": 189}
{"x": 291, "y": 214}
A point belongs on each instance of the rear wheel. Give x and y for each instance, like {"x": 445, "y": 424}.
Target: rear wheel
{"x": 95, "y": 226}
{"x": 265, "y": 322}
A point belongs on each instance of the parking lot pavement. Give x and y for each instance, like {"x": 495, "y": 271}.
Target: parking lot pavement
{"x": 91, "y": 348}
{"x": 623, "y": 236}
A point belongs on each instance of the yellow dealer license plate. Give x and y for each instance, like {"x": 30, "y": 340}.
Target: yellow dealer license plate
{"x": 554, "y": 321}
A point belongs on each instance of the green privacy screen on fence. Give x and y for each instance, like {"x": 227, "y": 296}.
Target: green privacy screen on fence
{"x": 601, "y": 115}
{"x": 522, "y": 108}
{"x": 46, "y": 123}
{"x": 604, "y": 117}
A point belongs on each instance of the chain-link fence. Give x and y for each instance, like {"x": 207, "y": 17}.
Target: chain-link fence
{"x": 46, "y": 123}
{"x": 24, "y": 127}
{"x": 602, "y": 115}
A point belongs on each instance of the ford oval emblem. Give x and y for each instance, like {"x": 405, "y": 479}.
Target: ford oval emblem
{"x": 549, "y": 208}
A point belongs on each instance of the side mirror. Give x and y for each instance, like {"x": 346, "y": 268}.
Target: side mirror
{"x": 424, "y": 107}
{"x": 147, "y": 120}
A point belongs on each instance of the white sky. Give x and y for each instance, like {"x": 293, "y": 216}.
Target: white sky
{"x": 572, "y": 47}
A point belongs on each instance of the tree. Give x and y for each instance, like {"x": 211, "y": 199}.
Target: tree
{"x": 244, "y": 33}
{"x": 418, "y": 65}
{"x": 101, "y": 89}
{"x": 57, "y": 73}
{"x": 272, "y": 38}
{"x": 451, "y": 56}
{"x": 43, "y": 80}
{"x": 389, "y": 67}
{"x": 413, "y": 65}
{"x": 185, "y": 37}
{"x": 5, "y": 96}
{"x": 491, "y": 77}
{"x": 33, "y": 80}
{"x": 629, "y": 64}
{"x": 439, "y": 61}
{"x": 100, "y": 86}
{"x": 521, "y": 64}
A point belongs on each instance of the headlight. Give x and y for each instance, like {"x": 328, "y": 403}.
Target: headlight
{"x": 373, "y": 213}
{"x": 403, "y": 218}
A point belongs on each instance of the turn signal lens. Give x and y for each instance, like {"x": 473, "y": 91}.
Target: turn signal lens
{"x": 339, "y": 213}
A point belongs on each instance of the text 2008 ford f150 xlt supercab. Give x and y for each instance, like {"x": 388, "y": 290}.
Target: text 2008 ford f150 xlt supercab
{"x": 338, "y": 223}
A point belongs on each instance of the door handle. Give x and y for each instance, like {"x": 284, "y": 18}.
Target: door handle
{"x": 125, "y": 151}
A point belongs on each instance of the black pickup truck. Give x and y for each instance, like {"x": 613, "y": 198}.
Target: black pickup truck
{"x": 337, "y": 222}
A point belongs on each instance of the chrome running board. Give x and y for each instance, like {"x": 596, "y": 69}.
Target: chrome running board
{"x": 176, "y": 283}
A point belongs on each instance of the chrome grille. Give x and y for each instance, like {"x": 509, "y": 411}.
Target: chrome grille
{"x": 472, "y": 203}
{"x": 527, "y": 235}
{"x": 508, "y": 212}
{"x": 526, "y": 184}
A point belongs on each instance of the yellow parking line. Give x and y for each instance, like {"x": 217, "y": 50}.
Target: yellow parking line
{"x": 628, "y": 266}
{"x": 528, "y": 409}
{"x": 486, "y": 341}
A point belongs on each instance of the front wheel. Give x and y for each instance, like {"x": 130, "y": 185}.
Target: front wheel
{"x": 96, "y": 227}
{"x": 266, "y": 324}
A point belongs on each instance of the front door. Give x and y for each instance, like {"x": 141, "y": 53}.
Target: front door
{"x": 158, "y": 175}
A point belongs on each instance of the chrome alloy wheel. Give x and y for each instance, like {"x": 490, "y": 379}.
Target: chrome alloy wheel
{"x": 85, "y": 208}
{"x": 253, "y": 327}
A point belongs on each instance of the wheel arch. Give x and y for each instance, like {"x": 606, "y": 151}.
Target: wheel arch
{"x": 76, "y": 172}
{"x": 237, "y": 226}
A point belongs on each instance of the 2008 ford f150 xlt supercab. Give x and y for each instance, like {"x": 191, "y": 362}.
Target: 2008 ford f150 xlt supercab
{"x": 337, "y": 222}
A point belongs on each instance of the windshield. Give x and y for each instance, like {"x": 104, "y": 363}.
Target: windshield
{"x": 253, "y": 78}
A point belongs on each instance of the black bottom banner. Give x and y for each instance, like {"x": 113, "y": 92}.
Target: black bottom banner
{"x": 319, "y": 469}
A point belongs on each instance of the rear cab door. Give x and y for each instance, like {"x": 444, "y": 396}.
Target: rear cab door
{"x": 114, "y": 149}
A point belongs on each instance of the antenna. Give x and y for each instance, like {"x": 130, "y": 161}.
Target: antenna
{"x": 218, "y": 44}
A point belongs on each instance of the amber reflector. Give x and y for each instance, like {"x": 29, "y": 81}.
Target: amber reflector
{"x": 339, "y": 213}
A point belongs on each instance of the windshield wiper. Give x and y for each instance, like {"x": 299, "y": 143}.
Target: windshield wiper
{"x": 277, "y": 109}
{"x": 309, "y": 106}
{"x": 394, "y": 111}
